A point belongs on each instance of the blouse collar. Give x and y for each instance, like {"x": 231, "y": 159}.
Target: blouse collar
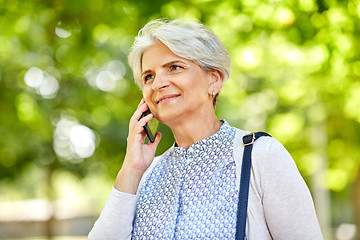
{"x": 213, "y": 140}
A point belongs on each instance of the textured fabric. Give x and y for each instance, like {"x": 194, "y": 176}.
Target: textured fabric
{"x": 280, "y": 205}
{"x": 191, "y": 194}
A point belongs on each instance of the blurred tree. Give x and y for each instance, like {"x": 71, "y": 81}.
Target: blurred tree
{"x": 67, "y": 93}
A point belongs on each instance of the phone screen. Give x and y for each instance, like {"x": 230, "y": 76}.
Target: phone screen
{"x": 151, "y": 127}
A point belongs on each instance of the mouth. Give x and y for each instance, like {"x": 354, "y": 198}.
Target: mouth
{"x": 166, "y": 98}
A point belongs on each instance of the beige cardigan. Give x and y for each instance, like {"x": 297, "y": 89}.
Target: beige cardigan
{"x": 280, "y": 205}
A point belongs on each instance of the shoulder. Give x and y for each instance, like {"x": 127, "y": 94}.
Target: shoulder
{"x": 264, "y": 147}
{"x": 269, "y": 156}
{"x": 270, "y": 148}
{"x": 261, "y": 147}
{"x": 271, "y": 162}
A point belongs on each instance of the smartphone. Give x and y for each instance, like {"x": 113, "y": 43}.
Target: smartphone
{"x": 151, "y": 127}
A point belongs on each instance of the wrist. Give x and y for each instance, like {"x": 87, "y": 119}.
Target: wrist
{"x": 128, "y": 180}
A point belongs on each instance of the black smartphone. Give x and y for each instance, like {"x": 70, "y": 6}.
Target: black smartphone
{"x": 151, "y": 127}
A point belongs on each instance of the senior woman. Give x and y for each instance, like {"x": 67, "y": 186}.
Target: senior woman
{"x": 191, "y": 191}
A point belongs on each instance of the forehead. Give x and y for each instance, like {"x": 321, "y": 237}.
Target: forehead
{"x": 156, "y": 54}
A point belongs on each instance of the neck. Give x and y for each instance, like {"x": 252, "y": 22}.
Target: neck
{"x": 193, "y": 130}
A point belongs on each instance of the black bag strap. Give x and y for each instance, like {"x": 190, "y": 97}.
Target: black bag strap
{"x": 248, "y": 141}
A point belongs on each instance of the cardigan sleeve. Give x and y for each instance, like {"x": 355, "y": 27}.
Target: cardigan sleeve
{"x": 116, "y": 218}
{"x": 115, "y": 221}
{"x": 287, "y": 202}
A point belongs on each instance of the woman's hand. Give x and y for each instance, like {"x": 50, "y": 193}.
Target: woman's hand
{"x": 139, "y": 155}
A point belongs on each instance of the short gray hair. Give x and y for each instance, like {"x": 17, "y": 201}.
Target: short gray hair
{"x": 188, "y": 39}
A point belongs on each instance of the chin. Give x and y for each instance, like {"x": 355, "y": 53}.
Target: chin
{"x": 168, "y": 118}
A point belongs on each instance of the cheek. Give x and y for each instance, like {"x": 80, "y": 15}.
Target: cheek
{"x": 198, "y": 87}
{"x": 147, "y": 93}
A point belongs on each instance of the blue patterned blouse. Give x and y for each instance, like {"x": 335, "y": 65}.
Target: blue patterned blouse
{"x": 191, "y": 194}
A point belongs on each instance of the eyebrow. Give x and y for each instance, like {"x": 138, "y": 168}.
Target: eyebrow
{"x": 164, "y": 65}
{"x": 145, "y": 72}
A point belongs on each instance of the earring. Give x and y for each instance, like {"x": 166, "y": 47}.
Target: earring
{"x": 213, "y": 97}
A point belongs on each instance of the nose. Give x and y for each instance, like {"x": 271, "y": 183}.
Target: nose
{"x": 160, "y": 82}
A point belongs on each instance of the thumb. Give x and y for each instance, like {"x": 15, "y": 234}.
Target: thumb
{"x": 153, "y": 146}
{"x": 158, "y": 137}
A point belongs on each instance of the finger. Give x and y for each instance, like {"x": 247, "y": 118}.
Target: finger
{"x": 142, "y": 108}
{"x": 137, "y": 114}
{"x": 141, "y": 102}
{"x": 157, "y": 138}
{"x": 156, "y": 142}
{"x": 139, "y": 126}
{"x": 141, "y": 123}
{"x": 145, "y": 119}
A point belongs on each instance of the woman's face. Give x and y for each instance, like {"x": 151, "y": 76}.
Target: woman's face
{"x": 174, "y": 88}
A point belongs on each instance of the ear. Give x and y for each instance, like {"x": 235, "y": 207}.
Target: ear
{"x": 215, "y": 81}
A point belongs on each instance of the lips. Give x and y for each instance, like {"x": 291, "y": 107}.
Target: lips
{"x": 166, "y": 97}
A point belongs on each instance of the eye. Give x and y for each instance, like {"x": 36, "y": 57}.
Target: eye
{"x": 175, "y": 67}
{"x": 148, "y": 78}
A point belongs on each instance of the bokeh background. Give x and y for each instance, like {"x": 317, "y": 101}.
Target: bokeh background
{"x": 67, "y": 93}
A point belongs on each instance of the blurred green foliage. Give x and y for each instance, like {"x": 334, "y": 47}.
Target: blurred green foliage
{"x": 64, "y": 75}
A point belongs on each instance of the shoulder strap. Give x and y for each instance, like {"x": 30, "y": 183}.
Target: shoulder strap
{"x": 248, "y": 141}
